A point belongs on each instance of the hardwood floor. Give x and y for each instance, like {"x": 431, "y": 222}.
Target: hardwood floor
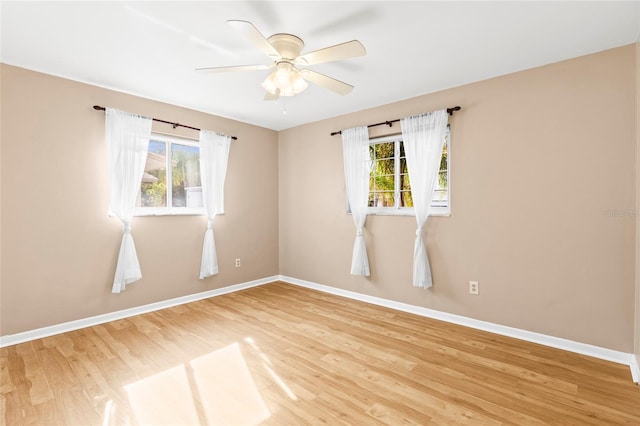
{"x": 284, "y": 355}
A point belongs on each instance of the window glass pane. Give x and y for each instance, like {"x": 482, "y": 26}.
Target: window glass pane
{"x": 405, "y": 184}
{"x": 403, "y": 165}
{"x": 441, "y": 190}
{"x": 372, "y": 199}
{"x": 382, "y": 173}
{"x": 440, "y": 198}
{"x": 384, "y": 168}
{"x": 441, "y": 193}
{"x": 405, "y": 199}
{"x": 381, "y": 199}
{"x": 153, "y": 190}
{"x": 383, "y": 150}
{"x": 441, "y": 182}
{"x": 383, "y": 183}
{"x": 443, "y": 160}
{"x": 185, "y": 174}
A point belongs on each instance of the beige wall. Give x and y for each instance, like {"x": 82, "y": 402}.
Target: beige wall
{"x": 538, "y": 159}
{"x": 59, "y": 245}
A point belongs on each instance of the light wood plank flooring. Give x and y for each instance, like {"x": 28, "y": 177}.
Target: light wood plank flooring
{"x": 284, "y": 355}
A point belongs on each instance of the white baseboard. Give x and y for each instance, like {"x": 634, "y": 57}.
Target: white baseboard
{"x": 543, "y": 339}
{"x": 14, "y": 339}
{"x": 635, "y": 369}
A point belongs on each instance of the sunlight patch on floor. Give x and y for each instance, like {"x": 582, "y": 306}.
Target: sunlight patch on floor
{"x": 163, "y": 399}
{"x": 216, "y": 388}
{"x": 226, "y": 385}
{"x": 266, "y": 363}
{"x": 106, "y": 415}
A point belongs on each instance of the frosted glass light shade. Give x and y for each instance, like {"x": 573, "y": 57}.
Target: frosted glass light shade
{"x": 286, "y": 79}
{"x": 269, "y": 83}
{"x": 298, "y": 83}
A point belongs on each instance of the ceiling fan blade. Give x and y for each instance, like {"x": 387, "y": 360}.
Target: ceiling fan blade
{"x": 349, "y": 49}
{"x": 255, "y": 37}
{"x": 327, "y": 82}
{"x": 272, "y": 96}
{"x": 236, "y": 68}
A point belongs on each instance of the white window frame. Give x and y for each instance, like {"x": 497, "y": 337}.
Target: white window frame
{"x": 170, "y": 211}
{"x": 436, "y": 210}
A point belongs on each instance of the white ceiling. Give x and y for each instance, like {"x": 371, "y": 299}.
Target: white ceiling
{"x": 150, "y": 49}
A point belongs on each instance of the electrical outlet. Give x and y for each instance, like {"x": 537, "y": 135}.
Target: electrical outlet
{"x": 237, "y": 263}
{"x": 474, "y": 287}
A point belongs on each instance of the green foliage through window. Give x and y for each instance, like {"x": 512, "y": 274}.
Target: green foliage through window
{"x": 168, "y": 159}
{"x": 389, "y": 183}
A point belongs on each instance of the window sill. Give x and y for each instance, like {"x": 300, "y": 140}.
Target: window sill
{"x": 168, "y": 212}
{"x": 436, "y": 211}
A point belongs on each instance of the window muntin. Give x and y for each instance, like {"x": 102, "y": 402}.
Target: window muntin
{"x": 177, "y": 161}
{"x": 389, "y": 183}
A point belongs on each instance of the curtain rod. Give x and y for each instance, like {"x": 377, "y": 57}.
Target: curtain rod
{"x": 99, "y": 108}
{"x": 390, "y": 123}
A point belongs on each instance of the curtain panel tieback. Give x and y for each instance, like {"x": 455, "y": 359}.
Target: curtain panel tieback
{"x": 423, "y": 139}
{"x": 209, "y": 260}
{"x": 355, "y": 148}
{"x": 127, "y": 138}
{"x": 214, "y": 156}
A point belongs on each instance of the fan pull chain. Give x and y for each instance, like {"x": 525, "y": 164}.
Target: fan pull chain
{"x": 282, "y": 102}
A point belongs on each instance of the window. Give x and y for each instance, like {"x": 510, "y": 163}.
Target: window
{"x": 389, "y": 184}
{"x": 173, "y": 160}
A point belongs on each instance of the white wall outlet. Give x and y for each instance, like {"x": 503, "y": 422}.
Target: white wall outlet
{"x": 237, "y": 263}
{"x": 474, "y": 287}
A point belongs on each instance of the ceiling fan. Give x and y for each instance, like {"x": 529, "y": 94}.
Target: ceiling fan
{"x": 284, "y": 52}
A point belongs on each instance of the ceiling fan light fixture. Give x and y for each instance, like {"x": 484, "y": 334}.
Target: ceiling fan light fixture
{"x": 287, "y": 92}
{"x": 285, "y": 80}
{"x": 269, "y": 83}
{"x": 284, "y": 71}
{"x": 298, "y": 83}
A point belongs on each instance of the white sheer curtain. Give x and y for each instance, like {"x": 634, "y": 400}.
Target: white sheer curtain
{"x": 127, "y": 138}
{"x": 214, "y": 155}
{"x": 355, "y": 147}
{"x": 423, "y": 138}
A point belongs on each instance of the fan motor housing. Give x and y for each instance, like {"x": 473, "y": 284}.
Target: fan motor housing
{"x": 287, "y": 45}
